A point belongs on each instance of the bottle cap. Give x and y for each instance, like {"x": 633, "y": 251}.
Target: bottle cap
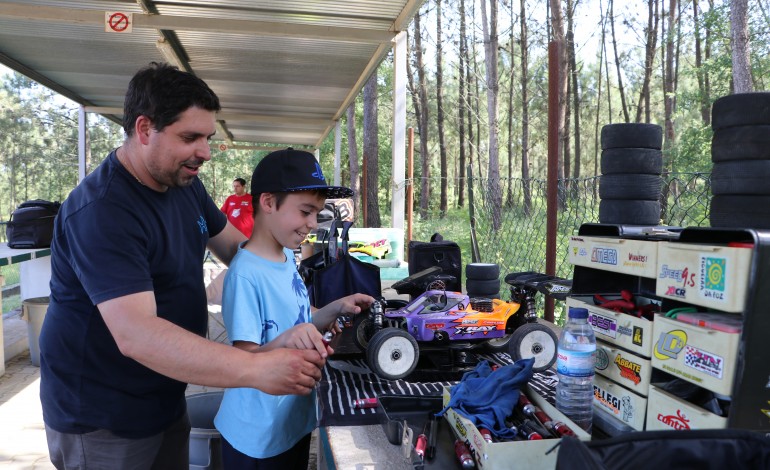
{"x": 577, "y": 312}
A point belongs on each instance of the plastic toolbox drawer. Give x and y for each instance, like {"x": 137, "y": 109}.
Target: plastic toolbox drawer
{"x": 706, "y": 275}
{"x": 634, "y": 257}
{"x": 666, "y": 411}
{"x": 622, "y": 367}
{"x": 620, "y": 402}
{"x": 703, "y": 356}
{"x": 624, "y": 330}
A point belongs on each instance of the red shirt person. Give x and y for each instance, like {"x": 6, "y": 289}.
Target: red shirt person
{"x": 239, "y": 209}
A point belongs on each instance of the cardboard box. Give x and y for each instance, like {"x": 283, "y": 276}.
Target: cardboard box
{"x": 621, "y": 403}
{"x": 624, "y": 368}
{"x": 706, "y": 275}
{"x": 504, "y": 455}
{"x": 666, "y": 411}
{"x": 634, "y": 257}
{"x": 621, "y": 329}
{"x": 703, "y": 356}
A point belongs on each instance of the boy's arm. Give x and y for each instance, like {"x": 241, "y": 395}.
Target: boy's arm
{"x": 352, "y": 304}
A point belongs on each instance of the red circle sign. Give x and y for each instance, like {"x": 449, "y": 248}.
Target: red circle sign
{"x": 118, "y": 22}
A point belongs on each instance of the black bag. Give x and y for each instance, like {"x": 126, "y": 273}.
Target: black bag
{"x": 438, "y": 252}
{"x": 31, "y": 224}
{"x": 333, "y": 273}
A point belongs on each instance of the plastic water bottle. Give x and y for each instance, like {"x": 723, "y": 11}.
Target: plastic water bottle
{"x": 575, "y": 368}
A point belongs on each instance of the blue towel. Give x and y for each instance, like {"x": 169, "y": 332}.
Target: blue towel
{"x": 487, "y": 397}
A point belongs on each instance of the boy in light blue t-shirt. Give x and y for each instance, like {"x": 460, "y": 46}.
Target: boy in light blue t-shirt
{"x": 265, "y": 305}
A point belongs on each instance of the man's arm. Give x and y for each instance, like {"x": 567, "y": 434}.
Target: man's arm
{"x": 177, "y": 353}
{"x": 225, "y": 244}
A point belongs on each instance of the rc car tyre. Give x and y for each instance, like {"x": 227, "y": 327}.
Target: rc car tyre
{"x": 741, "y": 109}
{"x": 482, "y": 271}
{"x": 533, "y": 340}
{"x": 741, "y": 143}
{"x": 632, "y": 160}
{"x": 363, "y": 330}
{"x": 482, "y": 288}
{"x": 629, "y": 212}
{"x": 392, "y": 353}
{"x": 636, "y": 135}
{"x": 635, "y": 187}
{"x": 740, "y": 211}
{"x": 741, "y": 177}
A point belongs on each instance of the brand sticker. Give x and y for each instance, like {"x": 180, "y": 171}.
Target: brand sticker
{"x": 670, "y": 344}
{"x": 703, "y": 361}
{"x": 712, "y": 278}
{"x": 603, "y": 325}
{"x": 604, "y": 256}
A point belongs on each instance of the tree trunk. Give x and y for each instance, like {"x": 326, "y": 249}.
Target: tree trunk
{"x": 575, "y": 84}
{"x": 704, "y": 99}
{"x": 668, "y": 88}
{"x": 509, "y": 186}
{"x": 739, "y": 39}
{"x": 525, "y": 112}
{"x": 462, "y": 103}
{"x": 422, "y": 92}
{"x": 617, "y": 63}
{"x": 651, "y": 37}
{"x": 355, "y": 182}
{"x": 558, "y": 35}
{"x": 597, "y": 144}
{"x": 493, "y": 90}
{"x": 443, "y": 198}
{"x": 371, "y": 152}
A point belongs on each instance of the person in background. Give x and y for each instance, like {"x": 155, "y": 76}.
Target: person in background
{"x": 124, "y": 332}
{"x": 265, "y": 306}
{"x": 238, "y": 208}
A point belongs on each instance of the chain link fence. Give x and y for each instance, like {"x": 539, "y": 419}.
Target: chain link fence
{"x": 519, "y": 242}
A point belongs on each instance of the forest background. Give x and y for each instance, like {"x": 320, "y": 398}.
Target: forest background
{"x": 477, "y": 84}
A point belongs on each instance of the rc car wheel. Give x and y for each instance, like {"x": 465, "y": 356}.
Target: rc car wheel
{"x": 498, "y": 345}
{"x": 364, "y": 329}
{"x": 392, "y": 353}
{"x": 533, "y": 340}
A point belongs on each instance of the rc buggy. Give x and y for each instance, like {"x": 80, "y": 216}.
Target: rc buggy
{"x": 439, "y": 320}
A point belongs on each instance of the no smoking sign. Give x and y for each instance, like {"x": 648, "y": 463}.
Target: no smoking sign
{"x": 118, "y": 22}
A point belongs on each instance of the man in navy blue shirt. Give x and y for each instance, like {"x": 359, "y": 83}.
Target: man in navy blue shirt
{"x": 124, "y": 330}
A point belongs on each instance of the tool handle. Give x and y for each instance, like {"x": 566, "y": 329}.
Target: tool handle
{"x": 422, "y": 443}
{"x": 432, "y": 436}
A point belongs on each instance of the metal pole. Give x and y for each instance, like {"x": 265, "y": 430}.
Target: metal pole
{"x": 553, "y": 169}
{"x": 410, "y": 186}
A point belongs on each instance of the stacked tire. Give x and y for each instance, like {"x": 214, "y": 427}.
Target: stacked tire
{"x": 740, "y": 153}
{"x": 482, "y": 280}
{"x": 631, "y": 165}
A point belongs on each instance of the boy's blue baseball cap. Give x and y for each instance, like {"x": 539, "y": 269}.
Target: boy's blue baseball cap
{"x": 289, "y": 170}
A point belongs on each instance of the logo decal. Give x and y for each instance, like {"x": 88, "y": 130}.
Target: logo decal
{"x": 318, "y": 173}
{"x": 670, "y": 344}
{"x": 603, "y": 325}
{"x": 629, "y": 370}
{"x": 637, "y": 337}
{"x": 604, "y": 256}
{"x": 678, "y": 422}
{"x": 202, "y": 224}
{"x": 704, "y": 361}
{"x": 601, "y": 361}
{"x": 712, "y": 278}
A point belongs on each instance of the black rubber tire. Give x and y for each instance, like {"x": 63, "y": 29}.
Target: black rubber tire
{"x": 628, "y": 186}
{"x": 632, "y": 160}
{"x": 741, "y": 109}
{"x": 482, "y": 287}
{"x": 533, "y": 340}
{"x": 613, "y": 211}
{"x": 741, "y": 177}
{"x": 636, "y": 135}
{"x": 392, "y": 353}
{"x": 363, "y": 330}
{"x": 741, "y": 143}
{"x": 482, "y": 271}
{"x": 729, "y": 211}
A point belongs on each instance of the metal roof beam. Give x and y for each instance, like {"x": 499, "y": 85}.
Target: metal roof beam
{"x": 263, "y": 118}
{"x": 217, "y": 25}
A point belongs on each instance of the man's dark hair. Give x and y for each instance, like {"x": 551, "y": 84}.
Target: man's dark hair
{"x": 241, "y": 180}
{"x": 162, "y": 92}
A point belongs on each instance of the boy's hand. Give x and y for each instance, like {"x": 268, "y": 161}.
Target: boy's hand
{"x": 353, "y": 304}
{"x": 305, "y": 336}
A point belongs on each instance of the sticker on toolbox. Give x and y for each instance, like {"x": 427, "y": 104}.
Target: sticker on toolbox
{"x": 604, "y": 255}
{"x": 636, "y": 260}
{"x": 670, "y": 344}
{"x": 604, "y": 325}
{"x": 682, "y": 278}
{"x": 629, "y": 369}
{"x": 620, "y": 407}
{"x": 602, "y": 360}
{"x": 680, "y": 422}
{"x": 713, "y": 272}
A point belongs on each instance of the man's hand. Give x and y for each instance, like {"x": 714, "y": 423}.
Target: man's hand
{"x": 288, "y": 371}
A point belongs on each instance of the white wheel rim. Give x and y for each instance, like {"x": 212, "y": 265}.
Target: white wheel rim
{"x": 538, "y": 345}
{"x": 395, "y": 356}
